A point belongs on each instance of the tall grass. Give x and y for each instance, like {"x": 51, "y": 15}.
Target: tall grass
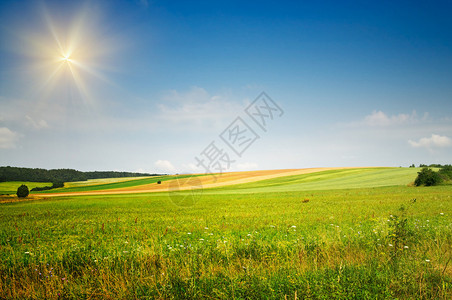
{"x": 374, "y": 243}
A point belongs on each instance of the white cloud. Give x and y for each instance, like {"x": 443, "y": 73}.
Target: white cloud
{"x": 192, "y": 168}
{"x": 247, "y": 166}
{"x": 379, "y": 118}
{"x": 435, "y": 141}
{"x": 165, "y": 166}
{"x": 7, "y": 138}
{"x": 36, "y": 124}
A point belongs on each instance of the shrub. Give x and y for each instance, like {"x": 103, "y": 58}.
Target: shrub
{"x": 427, "y": 177}
{"x": 159, "y": 182}
{"x": 57, "y": 185}
{"x": 22, "y": 191}
{"x": 46, "y": 188}
{"x": 446, "y": 172}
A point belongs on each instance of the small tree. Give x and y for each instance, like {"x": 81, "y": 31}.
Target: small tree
{"x": 427, "y": 177}
{"x": 22, "y": 191}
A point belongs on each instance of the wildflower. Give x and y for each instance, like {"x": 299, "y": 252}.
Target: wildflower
{"x": 293, "y": 226}
{"x": 27, "y": 252}
{"x": 406, "y": 247}
{"x": 427, "y": 260}
{"x": 441, "y": 214}
{"x": 201, "y": 239}
{"x": 64, "y": 278}
{"x": 188, "y": 232}
{"x": 390, "y": 245}
{"x": 206, "y": 228}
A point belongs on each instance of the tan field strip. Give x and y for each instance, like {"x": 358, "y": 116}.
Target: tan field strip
{"x": 91, "y": 182}
{"x": 206, "y": 181}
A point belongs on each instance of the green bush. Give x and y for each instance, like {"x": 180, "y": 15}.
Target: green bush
{"x": 427, "y": 177}
{"x": 446, "y": 172}
{"x": 22, "y": 191}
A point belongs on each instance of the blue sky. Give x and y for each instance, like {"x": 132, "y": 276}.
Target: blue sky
{"x": 148, "y": 85}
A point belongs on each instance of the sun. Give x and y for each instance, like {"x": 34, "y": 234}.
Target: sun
{"x": 67, "y": 54}
{"x": 66, "y": 58}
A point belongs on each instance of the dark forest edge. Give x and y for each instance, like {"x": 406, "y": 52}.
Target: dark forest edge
{"x": 60, "y": 175}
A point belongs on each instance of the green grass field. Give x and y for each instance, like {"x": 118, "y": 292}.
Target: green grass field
{"x": 361, "y": 235}
{"x": 11, "y": 186}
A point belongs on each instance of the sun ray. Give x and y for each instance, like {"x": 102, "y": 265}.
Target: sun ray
{"x": 67, "y": 53}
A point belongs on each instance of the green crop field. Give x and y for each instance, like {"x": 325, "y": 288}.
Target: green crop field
{"x": 333, "y": 179}
{"x": 11, "y": 186}
{"x": 343, "y": 234}
{"x": 97, "y": 185}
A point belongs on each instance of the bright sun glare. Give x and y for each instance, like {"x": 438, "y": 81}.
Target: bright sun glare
{"x": 66, "y": 58}
{"x": 67, "y": 52}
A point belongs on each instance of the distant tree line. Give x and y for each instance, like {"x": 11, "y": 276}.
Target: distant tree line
{"x": 59, "y": 175}
{"x": 430, "y": 166}
{"x": 46, "y": 188}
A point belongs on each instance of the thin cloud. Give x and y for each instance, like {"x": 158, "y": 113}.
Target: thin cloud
{"x": 36, "y": 124}
{"x": 435, "y": 141}
{"x": 144, "y": 3}
{"x": 8, "y": 138}
{"x": 165, "y": 166}
{"x": 379, "y": 118}
{"x": 197, "y": 108}
{"x": 247, "y": 166}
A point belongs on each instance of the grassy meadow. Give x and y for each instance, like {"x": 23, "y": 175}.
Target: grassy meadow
{"x": 10, "y": 187}
{"x": 354, "y": 234}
